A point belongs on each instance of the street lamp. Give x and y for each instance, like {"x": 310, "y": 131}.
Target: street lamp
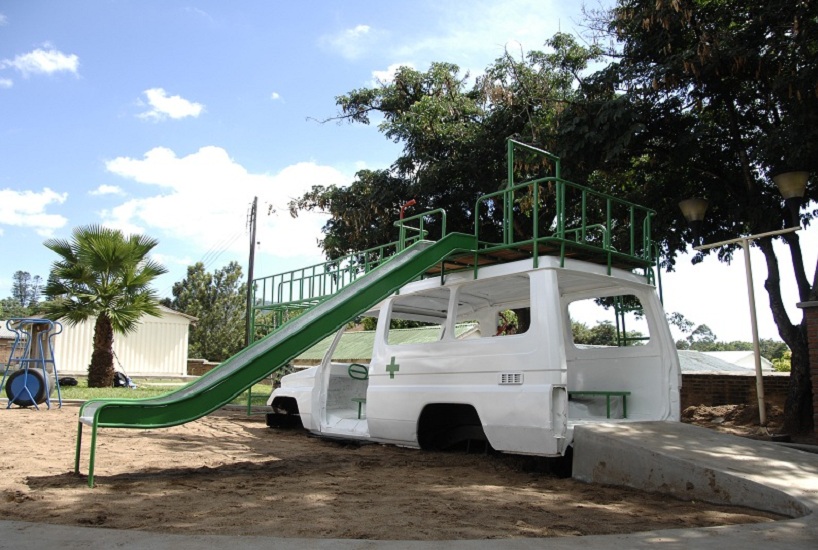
{"x": 694, "y": 209}
{"x": 792, "y": 186}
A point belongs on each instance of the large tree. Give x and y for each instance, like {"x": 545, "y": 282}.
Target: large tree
{"x": 453, "y": 129}
{"x": 709, "y": 98}
{"x": 218, "y": 301}
{"x": 101, "y": 274}
{"x": 699, "y": 98}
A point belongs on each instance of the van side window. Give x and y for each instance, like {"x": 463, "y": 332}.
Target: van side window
{"x": 608, "y": 321}
{"x": 418, "y": 318}
{"x": 497, "y": 307}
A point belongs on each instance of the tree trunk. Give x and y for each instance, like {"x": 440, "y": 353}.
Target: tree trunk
{"x": 798, "y": 410}
{"x": 798, "y": 406}
{"x": 101, "y": 369}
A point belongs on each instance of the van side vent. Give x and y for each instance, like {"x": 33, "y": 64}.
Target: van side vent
{"x": 511, "y": 378}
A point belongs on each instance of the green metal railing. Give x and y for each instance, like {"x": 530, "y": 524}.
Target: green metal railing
{"x": 560, "y": 218}
{"x": 581, "y": 218}
{"x": 408, "y": 234}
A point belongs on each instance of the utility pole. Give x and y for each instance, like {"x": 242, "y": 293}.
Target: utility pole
{"x": 251, "y": 262}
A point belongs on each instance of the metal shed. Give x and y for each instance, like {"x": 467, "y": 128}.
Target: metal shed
{"x": 158, "y": 347}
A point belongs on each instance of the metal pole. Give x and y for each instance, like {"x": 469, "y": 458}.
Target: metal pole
{"x": 748, "y": 269}
{"x": 745, "y": 244}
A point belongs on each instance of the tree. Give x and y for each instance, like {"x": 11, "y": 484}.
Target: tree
{"x": 10, "y": 307}
{"x": 601, "y": 334}
{"x": 25, "y": 288}
{"x": 454, "y": 136}
{"x": 102, "y": 275}
{"x": 702, "y": 339}
{"x": 708, "y": 99}
{"x": 217, "y": 300}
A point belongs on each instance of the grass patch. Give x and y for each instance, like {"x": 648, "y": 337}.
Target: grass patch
{"x": 152, "y": 388}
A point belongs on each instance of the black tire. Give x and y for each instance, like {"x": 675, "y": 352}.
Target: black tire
{"x": 30, "y": 379}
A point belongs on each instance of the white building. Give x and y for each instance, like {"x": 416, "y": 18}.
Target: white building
{"x": 158, "y": 347}
{"x": 744, "y": 359}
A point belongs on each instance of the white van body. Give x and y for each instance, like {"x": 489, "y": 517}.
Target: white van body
{"x": 522, "y": 393}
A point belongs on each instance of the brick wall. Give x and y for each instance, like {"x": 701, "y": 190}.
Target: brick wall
{"x": 198, "y": 367}
{"x": 732, "y": 389}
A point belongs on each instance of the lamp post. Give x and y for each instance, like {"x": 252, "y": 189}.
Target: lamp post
{"x": 792, "y": 186}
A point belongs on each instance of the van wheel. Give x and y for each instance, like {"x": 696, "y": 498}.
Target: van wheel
{"x": 447, "y": 426}
{"x": 285, "y": 413}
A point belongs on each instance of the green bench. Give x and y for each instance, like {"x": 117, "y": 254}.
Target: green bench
{"x": 607, "y": 394}
{"x": 357, "y": 371}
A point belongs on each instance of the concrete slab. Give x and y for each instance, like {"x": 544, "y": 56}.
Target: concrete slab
{"x": 689, "y": 462}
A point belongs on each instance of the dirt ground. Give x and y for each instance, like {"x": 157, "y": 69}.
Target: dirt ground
{"x": 230, "y": 474}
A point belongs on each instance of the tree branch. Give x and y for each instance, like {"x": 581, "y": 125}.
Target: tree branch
{"x": 794, "y": 242}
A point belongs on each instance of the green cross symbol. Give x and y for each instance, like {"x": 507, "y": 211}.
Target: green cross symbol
{"x": 392, "y": 368}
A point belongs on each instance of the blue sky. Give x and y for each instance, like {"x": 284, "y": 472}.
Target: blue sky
{"x": 168, "y": 117}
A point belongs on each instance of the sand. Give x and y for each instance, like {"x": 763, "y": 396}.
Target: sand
{"x": 229, "y": 473}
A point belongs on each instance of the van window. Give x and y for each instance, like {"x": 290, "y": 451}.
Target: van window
{"x": 497, "y": 307}
{"x": 418, "y": 318}
{"x": 608, "y": 321}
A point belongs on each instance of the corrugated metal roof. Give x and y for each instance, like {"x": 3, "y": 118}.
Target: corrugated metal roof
{"x": 744, "y": 359}
{"x": 699, "y": 362}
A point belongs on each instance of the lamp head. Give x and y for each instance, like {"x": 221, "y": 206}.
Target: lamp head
{"x": 694, "y": 210}
{"x": 792, "y": 186}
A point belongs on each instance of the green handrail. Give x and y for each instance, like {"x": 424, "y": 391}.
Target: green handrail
{"x": 421, "y": 232}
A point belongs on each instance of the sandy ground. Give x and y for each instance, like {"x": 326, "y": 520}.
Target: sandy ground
{"x": 230, "y": 474}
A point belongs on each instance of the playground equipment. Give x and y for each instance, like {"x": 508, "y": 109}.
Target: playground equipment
{"x": 30, "y": 375}
{"x": 520, "y": 392}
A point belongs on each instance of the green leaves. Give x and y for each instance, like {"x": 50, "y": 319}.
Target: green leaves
{"x": 99, "y": 270}
{"x": 218, "y": 301}
{"x": 102, "y": 274}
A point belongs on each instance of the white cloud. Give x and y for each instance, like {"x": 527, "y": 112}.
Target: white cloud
{"x": 164, "y": 106}
{"x": 388, "y": 75}
{"x": 352, "y": 43}
{"x": 202, "y": 198}
{"x": 40, "y": 61}
{"x": 6, "y": 83}
{"x": 465, "y": 33}
{"x": 274, "y": 96}
{"x": 3, "y": 20}
{"x": 107, "y": 190}
{"x": 28, "y": 209}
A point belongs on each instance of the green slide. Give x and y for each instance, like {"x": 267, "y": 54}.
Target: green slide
{"x": 224, "y": 383}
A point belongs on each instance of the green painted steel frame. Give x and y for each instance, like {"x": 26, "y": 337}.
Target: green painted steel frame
{"x": 563, "y": 236}
{"x": 304, "y": 288}
{"x": 260, "y": 359}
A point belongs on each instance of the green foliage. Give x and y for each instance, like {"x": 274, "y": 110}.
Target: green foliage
{"x": 708, "y": 99}
{"x": 454, "y": 142}
{"x": 783, "y": 363}
{"x": 218, "y": 301}
{"x": 102, "y": 275}
{"x": 25, "y": 289}
{"x": 700, "y": 98}
{"x": 10, "y": 307}
{"x": 601, "y": 334}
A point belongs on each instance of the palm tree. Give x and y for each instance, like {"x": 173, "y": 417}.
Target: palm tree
{"x": 102, "y": 274}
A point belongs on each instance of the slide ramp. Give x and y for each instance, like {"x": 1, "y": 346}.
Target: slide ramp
{"x": 257, "y": 361}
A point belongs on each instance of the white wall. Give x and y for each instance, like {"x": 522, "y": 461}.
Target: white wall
{"x": 157, "y": 347}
